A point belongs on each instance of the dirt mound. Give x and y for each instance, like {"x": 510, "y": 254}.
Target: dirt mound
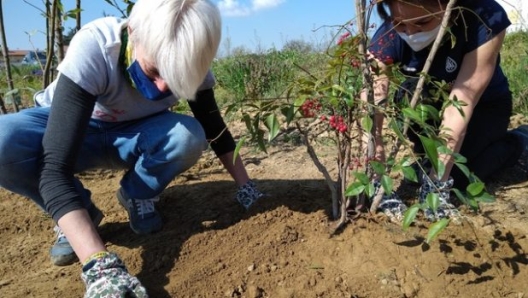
{"x": 211, "y": 247}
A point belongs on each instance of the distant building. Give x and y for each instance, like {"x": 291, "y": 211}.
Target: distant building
{"x": 16, "y": 56}
{"x": 25, "y": 57}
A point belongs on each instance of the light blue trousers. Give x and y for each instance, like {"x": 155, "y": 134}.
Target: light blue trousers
{"x": 152, "y": 150}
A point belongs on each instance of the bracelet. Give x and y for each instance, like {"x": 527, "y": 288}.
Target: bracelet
{"x": 97, "y": 255}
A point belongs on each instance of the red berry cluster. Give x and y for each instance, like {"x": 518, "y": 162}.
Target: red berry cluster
{"x": 310, "y": 107}
{"x": 337, "y": 123}
{"x": 343, "y": 37}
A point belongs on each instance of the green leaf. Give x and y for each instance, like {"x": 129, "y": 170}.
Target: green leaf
{"x": 247, "y": 120}
{"x": 485, "y": 198}
{"x": 433, "y": 200}
{"x": 354, "y": 189}
{"x": 298, "y": 103}
{"x": 409, "y": 174}
{"x": 288, "y": 112}
{"x": 387, "y": 184}
{"x": 427, "y": 112}
{"x": 260, "y": 141}
{"x": 440, "y": 168}
{"x": 406, "y": 161}
{"x": 464, "y": 169}
{"x": 393, "y": 124}
{"x": 430, "y": 149}
{"x": 273, "y": 126}
{"x": 339, "y": 88}
{"x": 367, "y": 123}
{"x": 410, "y": 215}
{"x": 237, "y": 148}
{"x": 475, "y": 188}
{"x": 465, "y": 200}
{"x": 459, "y": 158}
{"x": 369, "y": 191}
{"x": 436, "y": 228}
{"x": 411, "y": 114}
{"x": 378, "y": 167}
{"x": 362, "y": 177}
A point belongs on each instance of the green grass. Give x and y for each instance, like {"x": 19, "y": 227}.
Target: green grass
{"x": 514, "y": 63}
{"x": 269, "y": 74}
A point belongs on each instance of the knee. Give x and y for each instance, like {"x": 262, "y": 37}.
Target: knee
{"x": 20, "y": 152}
{"x": 16, "y": 141}
{"x": 187, "y": 140}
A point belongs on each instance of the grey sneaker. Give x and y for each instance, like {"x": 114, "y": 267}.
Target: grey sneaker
{"x": 61, "y": 252}
{"x": 522, "y": 134}
{"x": 142, "y": 214}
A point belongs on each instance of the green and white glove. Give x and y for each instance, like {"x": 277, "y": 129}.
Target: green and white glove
{"x": 391, "y": 204}
{"x": 248, "y": 194}
{"x": 105, "y": 276}
{"x": 445, "y": 209}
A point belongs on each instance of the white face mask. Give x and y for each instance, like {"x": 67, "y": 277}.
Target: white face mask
{"x": 420, "y": 40}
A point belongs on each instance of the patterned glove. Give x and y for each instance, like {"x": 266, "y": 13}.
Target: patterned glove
{"x": 248, "y": 194}
{"x": 391, "y": 204}
{"x": 445, "y": 208}
{"x": 105, "y": 276}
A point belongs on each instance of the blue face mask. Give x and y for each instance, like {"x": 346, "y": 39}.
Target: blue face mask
{"x": 144, "y": 85}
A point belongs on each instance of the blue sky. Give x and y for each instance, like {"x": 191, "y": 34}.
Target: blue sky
{"x": 254, "y": 24}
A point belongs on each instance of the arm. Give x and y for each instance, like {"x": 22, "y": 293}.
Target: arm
{"x": 476, "y": 72}
{"x": 67, "y": 123}
{"x": 236, "y": 170}
{"x": 381, "y": 90}
{"x": 206, "y": 111}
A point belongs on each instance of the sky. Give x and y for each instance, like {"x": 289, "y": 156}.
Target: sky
{"x": 253, "y": 24}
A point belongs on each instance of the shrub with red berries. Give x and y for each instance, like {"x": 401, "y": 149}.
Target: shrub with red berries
{"x": 337, "y": 123}
{"x": 310, "y": 107}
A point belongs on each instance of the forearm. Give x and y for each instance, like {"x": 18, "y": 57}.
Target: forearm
{"x": 81, "y": 233}
{"x": 67, "y": 123}
{"x": 380, "y": 92}
{"x": 68, "y": 120}
{"x": 236, "y": 170}
{"x": 453, "y": 130}
{"x": 475, "y": 74}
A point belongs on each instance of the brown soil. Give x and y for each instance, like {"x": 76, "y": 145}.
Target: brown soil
{"x": 211, "y": 247}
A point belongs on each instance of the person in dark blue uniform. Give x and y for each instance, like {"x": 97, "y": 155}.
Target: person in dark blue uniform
{"x": 468, "y": 60}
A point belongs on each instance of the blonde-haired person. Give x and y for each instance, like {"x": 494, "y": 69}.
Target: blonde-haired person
{"x": 109, "y": 108}
{"x": 469, "y": 61}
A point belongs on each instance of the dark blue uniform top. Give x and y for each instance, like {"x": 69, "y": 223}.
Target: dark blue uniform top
{"x": 471, "y": 27}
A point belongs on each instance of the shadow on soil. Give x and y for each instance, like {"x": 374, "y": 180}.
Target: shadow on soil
{"x": 197, "y": 207}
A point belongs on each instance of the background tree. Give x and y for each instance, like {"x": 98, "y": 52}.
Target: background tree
{"x": 5, "y": 53}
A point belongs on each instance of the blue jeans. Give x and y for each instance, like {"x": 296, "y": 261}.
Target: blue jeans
{"x": 152, "y": 150}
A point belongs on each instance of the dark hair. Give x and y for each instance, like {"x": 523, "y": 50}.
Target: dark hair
{"x": 381, "y": 7}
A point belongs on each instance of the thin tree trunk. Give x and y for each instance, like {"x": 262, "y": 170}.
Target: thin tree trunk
{"x": 51, "y": 23}
{"x": 58, "y": 34}
{"x": 5, "y": 52}
{"x": 78, "y": 16}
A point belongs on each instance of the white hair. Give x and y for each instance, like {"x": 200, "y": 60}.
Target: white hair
{"x": 180, "y": 36}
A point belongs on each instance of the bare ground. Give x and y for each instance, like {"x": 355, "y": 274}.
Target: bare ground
{"x": 211, "y": 247}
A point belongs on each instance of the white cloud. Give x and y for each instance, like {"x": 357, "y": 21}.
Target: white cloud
{"x": 235, "y": 8}
{"x": 263, "y": 4}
